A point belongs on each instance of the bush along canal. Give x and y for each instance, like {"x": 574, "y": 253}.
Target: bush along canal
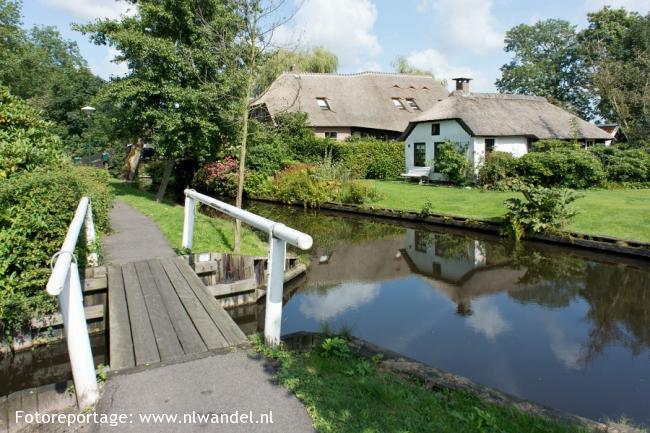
{"x": 566, "y": 328}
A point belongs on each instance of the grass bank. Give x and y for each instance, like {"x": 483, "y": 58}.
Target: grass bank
{"x": 210, "y": 234}
{"x": 346, "y": 393}
{"x": 621, "y": 213}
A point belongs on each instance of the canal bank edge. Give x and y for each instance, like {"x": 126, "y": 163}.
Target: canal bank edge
{"x": 436, "y": 380}
{"x": 582, "y": 240}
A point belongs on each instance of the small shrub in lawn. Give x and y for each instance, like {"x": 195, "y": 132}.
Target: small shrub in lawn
{"x": 336, "y": 347}
{"x": 542, "y": 210}
{"x": 356, "y": 192}
{"x": 497, "y": 168}
{"x": 453, "y": 163}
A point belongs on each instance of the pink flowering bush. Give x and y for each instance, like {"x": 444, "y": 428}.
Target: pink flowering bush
{"x": 220, "y": 177}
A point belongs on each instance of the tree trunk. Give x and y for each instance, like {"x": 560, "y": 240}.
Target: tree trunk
{"x": 244, "y": 136}
{"x": 169, "y": 166}
{"x": 133, "y": 159}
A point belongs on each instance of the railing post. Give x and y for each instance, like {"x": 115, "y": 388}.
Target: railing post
{"x": 76, "y": 335}
{"x": 188, "y": 223}
{"x": 274, "y": 291}
{"x": 91, "y": 258}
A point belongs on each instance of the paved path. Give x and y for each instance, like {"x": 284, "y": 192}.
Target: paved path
{"x": 135, "y": 237}
{"x": 219, "y": 383}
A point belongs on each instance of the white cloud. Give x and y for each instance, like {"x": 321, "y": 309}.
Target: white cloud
{"x": 436, "y": 62}
{"x": 466, "y": 24}
{"x": 641, "y": 6}
{"x": 108, "y": 68}
{"x": 347, "y": 296}
{"x": 566, "y": 351}
{"x": 342, "y": 26}
{"x": 91, "y": 9}
{"x": 487, "y": 319}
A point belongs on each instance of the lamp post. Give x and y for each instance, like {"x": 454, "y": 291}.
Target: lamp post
{"x": 88, "y": 111}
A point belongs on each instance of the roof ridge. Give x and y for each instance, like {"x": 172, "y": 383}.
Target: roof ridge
{"x": 495, "y": 95}
{"x": 358, "y": 74}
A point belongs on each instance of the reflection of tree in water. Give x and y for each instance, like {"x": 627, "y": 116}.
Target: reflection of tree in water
{"x": 618, "y": 296}
{"x": 620, "y": 307}
{"x": 448, "y": 246}
{"x": 550, "y": 280}
{"x": 326, "y": 230}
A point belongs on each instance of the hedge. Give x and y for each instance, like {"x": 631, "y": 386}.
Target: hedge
{"x": 370, "y": 158}
{"x": 35, "y": 211}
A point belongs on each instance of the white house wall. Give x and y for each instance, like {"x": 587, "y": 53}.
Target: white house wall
{"x": 449, "y": 130}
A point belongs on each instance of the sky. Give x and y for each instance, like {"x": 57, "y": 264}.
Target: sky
{"x": 449, "y": 37}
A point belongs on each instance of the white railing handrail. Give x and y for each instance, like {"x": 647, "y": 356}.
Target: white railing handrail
{"x": 279, "y": 236}
{"x": 279, "y": 230}
{"x": 65, "y": 283}
{"x": 66, "y": 254}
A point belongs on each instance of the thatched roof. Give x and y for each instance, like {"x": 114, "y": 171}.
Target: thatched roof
{"x": 497, "y": 114}
{"x": 361, "y": 100}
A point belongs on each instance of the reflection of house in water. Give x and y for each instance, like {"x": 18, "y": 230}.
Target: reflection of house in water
{"x": 457, "y": 266}
{"x": 369, "y": 261}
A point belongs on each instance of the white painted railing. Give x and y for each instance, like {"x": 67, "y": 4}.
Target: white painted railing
{"x": 64, "y": 283}
{"x": 279, "y": 235}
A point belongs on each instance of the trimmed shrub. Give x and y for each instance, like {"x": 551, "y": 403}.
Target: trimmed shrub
{"x": 370, "y": 158}
{"x": 543, "y": 210}
{"x": 35, "y": 211}
{"x": 567, "y": 168}
{"x": 258, "y": 184}
{"x": 497, "y": 168}
{"x": 554, "y": 144}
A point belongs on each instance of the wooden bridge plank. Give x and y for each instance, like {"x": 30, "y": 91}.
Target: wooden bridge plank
{"x": 187, "y": 334}
{"x": 166, "y": 339}
{"x": 232, "y": 333}
{"x": 209, "y": 332}
{"x": 144, "y": 342}
{"x": 121, "y": 344}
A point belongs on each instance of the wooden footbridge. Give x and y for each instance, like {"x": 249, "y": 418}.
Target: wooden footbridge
{"x": 160, "y": 310}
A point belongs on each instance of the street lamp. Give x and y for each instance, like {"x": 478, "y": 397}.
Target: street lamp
{"x": 88, "y": 111}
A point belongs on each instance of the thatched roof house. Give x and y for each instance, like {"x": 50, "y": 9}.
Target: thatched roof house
{"x": 340, "y": 105}
{"x": 486, "y": 122}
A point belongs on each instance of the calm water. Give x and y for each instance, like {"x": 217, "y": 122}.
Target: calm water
{"x": 562, "y": 327}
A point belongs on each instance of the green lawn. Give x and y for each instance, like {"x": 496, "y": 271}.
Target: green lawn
{"x": 622, "y": 213}
{"x": 345, "y": 393}
{"x": 210, "y": 234}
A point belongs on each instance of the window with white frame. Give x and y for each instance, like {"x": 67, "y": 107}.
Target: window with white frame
{"x": 330, "y": 134}
{"x": 411, "y": 103}
{"x": 398, "y": 104}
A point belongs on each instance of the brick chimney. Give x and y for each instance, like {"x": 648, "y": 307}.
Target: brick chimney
{"x": 462, "y": 85}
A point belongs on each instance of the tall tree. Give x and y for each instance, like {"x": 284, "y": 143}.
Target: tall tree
{"x": 547, "y": 62}
{"x": 178, "y": 93}
{"x": 41, "y": 66}
{"x": 281, "y": 60}
{"x": 617, "y": 46}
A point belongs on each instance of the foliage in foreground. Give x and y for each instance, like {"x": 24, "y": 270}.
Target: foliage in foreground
{"x": 35, "y": 211}
{"x": 543, "y": 210}
{"x": 26, "y": 140}
{"x": 347, "y": 393}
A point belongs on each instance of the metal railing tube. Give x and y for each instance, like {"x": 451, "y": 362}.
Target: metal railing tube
{"x": 65, "y": 255}
{"x": 64, "y": 282}
{"x": 279, "y": 236}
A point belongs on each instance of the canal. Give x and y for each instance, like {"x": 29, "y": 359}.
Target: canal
{"x": 563, "y": 327}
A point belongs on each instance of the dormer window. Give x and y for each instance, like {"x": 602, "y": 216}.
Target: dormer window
{"x": 398, "y": 104}
{"x": 322, "y": 103}
{"x": 411, "y": 103}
